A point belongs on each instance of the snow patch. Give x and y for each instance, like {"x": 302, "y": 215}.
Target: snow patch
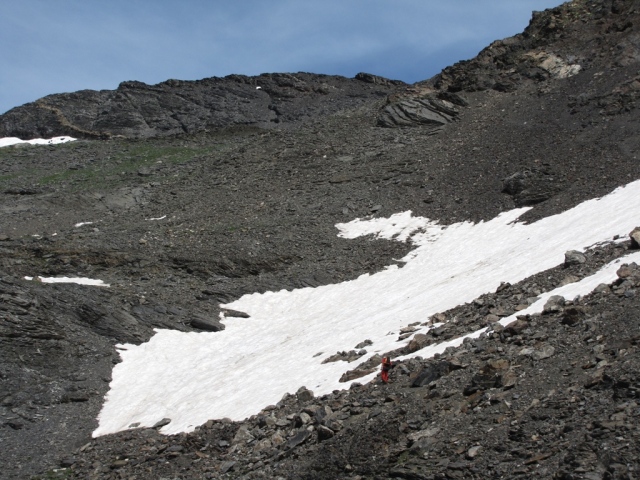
{"x": 8, "y": 141}
{"x": 78, "y": 280}
{"x": 193, "y": 377}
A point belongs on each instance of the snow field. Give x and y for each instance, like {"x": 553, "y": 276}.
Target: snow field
{"x": 193, "y": 377}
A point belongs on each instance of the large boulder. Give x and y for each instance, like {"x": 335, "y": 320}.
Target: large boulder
{"x": 574, "y": 257}
{"x": 532, "y": 186}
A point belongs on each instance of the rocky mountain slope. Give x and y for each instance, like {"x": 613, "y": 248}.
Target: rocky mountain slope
{"x": 249, "y": 182}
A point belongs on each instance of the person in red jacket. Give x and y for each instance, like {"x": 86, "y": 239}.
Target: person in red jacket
{"x": 386, "y": 366}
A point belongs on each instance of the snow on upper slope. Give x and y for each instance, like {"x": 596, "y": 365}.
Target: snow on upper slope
{"x": 8, "y": 141}
{"x": 192, "y": 377}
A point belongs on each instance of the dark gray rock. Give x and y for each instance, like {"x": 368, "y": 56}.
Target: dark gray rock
{"x": 574, "y": 257}
{"x": 175, "y": 107}
{"x": 227, "y": 466}
{"x": 67, "y": 462}
{"x": 417, "y": 111}
{"x": 349, "y": 356}
{"x": 530, "y": 187}
{"x": 243, "y": 435}
{"x": 409, "y": 473}
{"x": 376, "y": 79}
{"x": 202, "y": 322}
{"x": 298, "y": 439}
{"x": 418, "y": 342}
{"x": 573, "y": 315}
{"x": 431, "y": 373}
{"x": 324, "y": 433}
{"x": 304, "y": 395}
{"x": 70, "y": 397}
{"x": 333, "y": 423}
{"x": 635, "y": 237}
{"x": 543, "y": 351}
{"x": 162, "y": 423}
{"x": 554, "y": 304}
{"x": 321, "y": 413}
{"x": 234, "y": 313}
{"x": 364, "y": 343}
{"x": 516, "y": 327}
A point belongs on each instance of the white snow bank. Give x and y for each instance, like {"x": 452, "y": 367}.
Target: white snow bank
{"x": 606, "y": 274}
{"x": 8, "y": 141}
{"x": 193, "y": 377}
{"x": 78, "y": 280}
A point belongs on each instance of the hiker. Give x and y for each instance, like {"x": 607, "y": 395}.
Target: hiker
{"x": 386, "y": 366}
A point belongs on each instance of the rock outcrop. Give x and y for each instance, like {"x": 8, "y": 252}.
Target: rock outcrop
{"x": 175, "y": 107}
{"x": 432, "y": 113}
{"x": 548, "y": 48}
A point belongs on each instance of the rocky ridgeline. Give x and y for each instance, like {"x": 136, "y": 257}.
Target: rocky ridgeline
{"x": 175, "y": 107}
{"x": 548, "y": 49}
{"x": 550, "y": 395}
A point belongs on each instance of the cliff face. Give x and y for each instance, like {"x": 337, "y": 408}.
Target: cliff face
{"x": 175, "y": 107}
{"x": 201, "y": 192}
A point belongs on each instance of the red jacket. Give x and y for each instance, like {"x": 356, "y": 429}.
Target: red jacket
{"x": 386, "y": 364}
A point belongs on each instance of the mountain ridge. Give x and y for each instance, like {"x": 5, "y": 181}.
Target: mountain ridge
{"x": 174, "y": 107}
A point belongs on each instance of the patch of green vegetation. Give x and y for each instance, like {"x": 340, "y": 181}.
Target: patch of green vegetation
{"x": 23, "y": 176}
{"x": 404, "y": 457}
{"x": 58, "y": 474}
{"x": 107, "y": 165}
{"x": 6, "y": 152}
{"x": 67, "y": 175}
{"x": 116, "y": 168}
{"x": 5, "y": 178}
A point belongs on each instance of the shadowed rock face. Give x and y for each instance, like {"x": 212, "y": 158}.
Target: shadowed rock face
{"x": 175, "y": 107}
{"x": 185, "y": 195}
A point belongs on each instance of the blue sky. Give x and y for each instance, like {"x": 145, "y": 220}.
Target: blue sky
{"x": 54, "y": 46}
